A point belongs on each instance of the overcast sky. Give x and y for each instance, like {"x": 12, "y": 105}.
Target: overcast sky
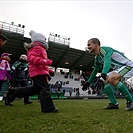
{"x": 110, "y": 21}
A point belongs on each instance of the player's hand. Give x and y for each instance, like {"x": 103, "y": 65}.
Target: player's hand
{"x": 100, "y": 82}
{"x": 85, "y": 86}
{"x": 99, "y": 85}
{"x": 103, "y": 77}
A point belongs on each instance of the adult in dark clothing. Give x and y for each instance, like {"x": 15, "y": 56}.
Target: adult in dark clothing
{"x": 3, "y": 40}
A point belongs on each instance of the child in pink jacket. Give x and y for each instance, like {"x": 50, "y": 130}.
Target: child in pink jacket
{"x": 38, "y": 66}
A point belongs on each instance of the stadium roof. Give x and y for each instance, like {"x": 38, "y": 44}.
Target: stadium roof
{"x": 66, "y": 57}
{"x": 63, "y": 56}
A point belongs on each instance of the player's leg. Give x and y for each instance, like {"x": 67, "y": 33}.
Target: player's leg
{"x": 125, "y": 72}
{"x": 115, "y": 80}
{"x": 110, "y": 93}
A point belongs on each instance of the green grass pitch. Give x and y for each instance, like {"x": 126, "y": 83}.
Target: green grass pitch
{"x": 74, "y": 116}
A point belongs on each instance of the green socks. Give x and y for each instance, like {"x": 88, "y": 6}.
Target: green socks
{"x": 110, "y": 93}
{"x": 123, "y": 89}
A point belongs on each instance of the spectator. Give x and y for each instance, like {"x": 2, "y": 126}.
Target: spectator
{"x": 64, "y": 91}
{"x": 70, "y": 93}
{"x": 3, "y": 40}
{"x": 19, "y": 73}
{"x": 4, "y": 68}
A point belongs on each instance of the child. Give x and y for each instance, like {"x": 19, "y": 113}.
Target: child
{"x": 38, "y": 64}
{"x": 4, "y": 68}
{"x": 19, "y": 73}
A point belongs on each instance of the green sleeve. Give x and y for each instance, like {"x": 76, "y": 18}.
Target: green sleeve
{"x": 93, "y": 74}
{"x": 107, "y": 59}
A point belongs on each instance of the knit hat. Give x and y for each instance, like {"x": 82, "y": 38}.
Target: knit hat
{"x": 5, "y": 54}
{"x": 37, "y": 37}
{"x": 23, "y": 57}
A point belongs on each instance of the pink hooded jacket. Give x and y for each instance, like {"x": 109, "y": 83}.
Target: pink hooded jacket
{"x": 38, "y": 61}
{"x": 4, "y": 70}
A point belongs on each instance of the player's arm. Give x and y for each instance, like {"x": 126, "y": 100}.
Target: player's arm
{"x": 93, "y": 74}
{"x": 107, "y": 53}
{"x": 107, "y": 60}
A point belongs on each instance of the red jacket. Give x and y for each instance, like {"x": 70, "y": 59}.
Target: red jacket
{"x": 38, "y": 61}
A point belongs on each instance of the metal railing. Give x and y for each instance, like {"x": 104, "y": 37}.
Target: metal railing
{"x": 58, "y": 39}
{"x": 10, "y": 27}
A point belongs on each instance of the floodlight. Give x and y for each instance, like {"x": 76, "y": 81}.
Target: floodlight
{"x": 23, "y": 26}
{"x": 19, "y": 25}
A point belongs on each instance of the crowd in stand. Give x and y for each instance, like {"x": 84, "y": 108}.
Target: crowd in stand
{"x": 58, "y": 86}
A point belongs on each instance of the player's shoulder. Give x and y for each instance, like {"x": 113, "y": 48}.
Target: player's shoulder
{"x": 106, "y": 47}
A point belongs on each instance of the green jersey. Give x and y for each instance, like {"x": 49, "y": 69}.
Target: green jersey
{"x": 109, "y": 58}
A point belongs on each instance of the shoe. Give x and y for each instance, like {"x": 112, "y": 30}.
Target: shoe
{"x": 52, "y": 111}
{"x": 28, "y": 102}
{"x": 7, "y": 103}
{"x": 111, "y": 106}
{"x": 129, "y": 106}
{"x": 10, "y": 97}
